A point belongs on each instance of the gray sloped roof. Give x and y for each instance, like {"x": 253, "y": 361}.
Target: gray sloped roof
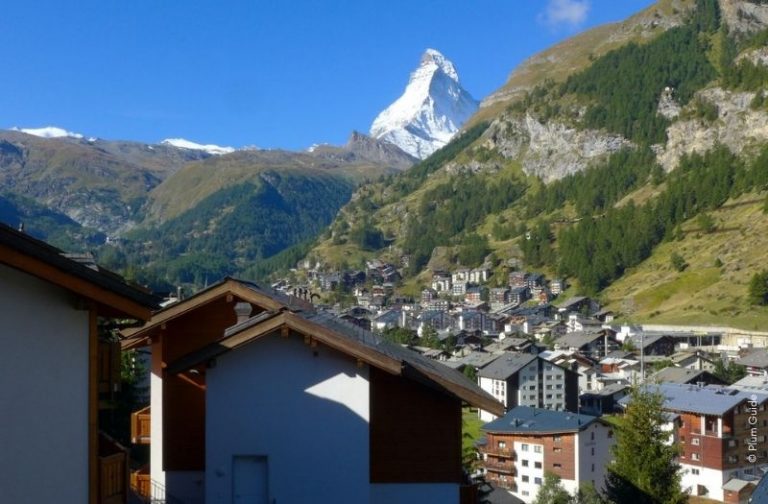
{"x": 524, "y": 419}
{"x": 506, "y": 365}
{"x": 709, "y": 400}
{"x": 756, "y": 358}
{"x": 578, "y": 339}
{"x": 680, "y": 375}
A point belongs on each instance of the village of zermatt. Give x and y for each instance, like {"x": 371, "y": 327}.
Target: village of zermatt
{"x": 498, "y": 252}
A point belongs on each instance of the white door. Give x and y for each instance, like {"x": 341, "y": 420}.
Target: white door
{"x": 249, "y": 480}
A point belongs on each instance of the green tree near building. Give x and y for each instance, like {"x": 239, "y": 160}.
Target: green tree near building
{"x": 644, "y": 469}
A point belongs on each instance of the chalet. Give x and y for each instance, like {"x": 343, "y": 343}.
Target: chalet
{"x": 619, "y": 370}
{"x": 719, "y": 429}
{"x": 459, "y": 289}
{"x": 329, "y": 281}
{"x": 254, "y": 394}
{"x": 756, "y": 362}
{"x": 499, "y": 296}
{"x": 441, "y": 305}
{"x": 693, "y": 360}
{"x": 591, "y": 344}
{"x": 557, "y": 286}
{"x": 441, "y": 281}
{"x": 685, "y": 376}
{"x": 436, "y": 319}
{"x": 652, "y": 343}
{"x": 534, "y": 281}
{"x": 427, "y": 296}
{"x": 518, "y": 279}
{"x": 575, "y": 304}
{"x": 519, "y": 295}
{"x": 59, "y": 373}
{"x": 388, "y": 320}
{"x": 523, "y": 445}
{"x": 603, "y": 401}
{"x": 606, "y": 316}
{"x": 461, "y": 275}
{"x": 517, "y": 379}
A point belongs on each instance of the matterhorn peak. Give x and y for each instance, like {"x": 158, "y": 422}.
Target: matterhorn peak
{"x": 430, "y": 111}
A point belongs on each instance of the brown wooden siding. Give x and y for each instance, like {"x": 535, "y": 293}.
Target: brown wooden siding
{"x": 183, "y": 399}
{"x": 415, "y": 434}
{"x": 561, "y": 463}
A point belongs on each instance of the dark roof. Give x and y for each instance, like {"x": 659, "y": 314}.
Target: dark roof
{"x": 608, "y": 390}
{"x": 646, "y": 339}
{"x": 527, "y": 420}
{"x": 506, "y": 365}
{"x": 683, "y": 375}
{"x": 578, "y": 339}
{"x": 100, "y": 277}
{"x": 571, "y": 302}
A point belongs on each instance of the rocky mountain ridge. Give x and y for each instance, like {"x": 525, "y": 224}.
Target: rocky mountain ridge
{"x": 430, "y": 111}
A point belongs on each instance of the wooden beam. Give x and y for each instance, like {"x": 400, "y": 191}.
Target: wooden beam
{"x": 73, "y": 283}
{"x": 93, "y": 405}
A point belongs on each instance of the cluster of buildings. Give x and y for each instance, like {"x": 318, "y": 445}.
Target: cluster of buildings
{"x": 255, "y": 396}
{"x": 262, "y": 395}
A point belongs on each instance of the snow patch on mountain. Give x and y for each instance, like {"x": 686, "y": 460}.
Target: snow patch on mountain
{"x": 182, "y": 143}
{"x": 48, "y": 132}
{"x": 430, "y": 111}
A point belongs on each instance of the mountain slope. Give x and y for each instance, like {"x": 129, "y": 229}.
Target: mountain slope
{"x": 589, "y": 171}
{"x": 430, "y": 111}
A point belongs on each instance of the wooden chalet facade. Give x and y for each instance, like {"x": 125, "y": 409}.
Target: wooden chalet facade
{"x": 350, "y": 418}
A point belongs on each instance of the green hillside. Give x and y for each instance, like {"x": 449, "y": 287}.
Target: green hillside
{"x": 477, "y": 199}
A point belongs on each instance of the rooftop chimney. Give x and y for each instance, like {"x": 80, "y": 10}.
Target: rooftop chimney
{"x": 243, "y": 311}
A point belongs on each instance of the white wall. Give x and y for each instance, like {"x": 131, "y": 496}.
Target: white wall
{"x": 156, "y": 416}
{"x": 414, "y": 493}
{"x": 527, "y": 491}
{"x": 599, "y": 461}
{"x": 307, "y": 414}
{"x": 712, "y": 479}
{"x": 44, "y": 393}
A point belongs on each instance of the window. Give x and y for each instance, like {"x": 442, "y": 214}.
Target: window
{"x": 549, "y": 396}
{"x": 593, "y": 451}
{"x": 549, "y": 387}
{"x": 592, "y": 435}
{"x": 731, "y": 443}
{"x": 537, "y": 481}
{"x": 537, "y": 449}
{"x": 694, "y": 472}
{"x": 593, "y": 467}
{"x": 526, "y": 493}
{"x": 525, "y": 463}
{"x": 559, "y": 386}
{"x": 557, "y": 439}
{"x": 559, "y": 396}
{"x": 524, "y": 447}
{"x": 695, "y": 456}
{"x": 610, "y": 433}
{"x": 695, "y": 441}
{"x": 502, "y": 444}
{"x": 557, "y": 450}
{"x": 732, "y": 459}
{"x": 537, "y": 465}
{"x": 525, "y": 479}
{"x": 557, "y": 466}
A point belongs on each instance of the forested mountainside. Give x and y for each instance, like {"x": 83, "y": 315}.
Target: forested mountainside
{"x": 174, "y": 215}
{"x": 589, "y": 173}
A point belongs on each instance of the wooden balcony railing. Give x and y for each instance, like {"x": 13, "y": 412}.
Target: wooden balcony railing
{"x": 141, "y": 426}
{"x": 499, "y": 467}
{"x": 141, "y": 483}
{"x": 113, "y": 471}
{"x": 496, "y": 451}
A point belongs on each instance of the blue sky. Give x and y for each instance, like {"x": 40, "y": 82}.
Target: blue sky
{"x": 255, "y": 72}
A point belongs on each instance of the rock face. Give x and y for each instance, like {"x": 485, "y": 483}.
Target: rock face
{"x": 430, "y": 111}
{"x": 550, "y": 150}
{"x": 737, "y": 126}
{"x": 744, "y": 16}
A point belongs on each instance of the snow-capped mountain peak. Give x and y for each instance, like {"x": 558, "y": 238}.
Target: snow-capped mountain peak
{"x": 48, "y": 132}
{"x": 430, "y": 111}
{"x": 182, "y": 143}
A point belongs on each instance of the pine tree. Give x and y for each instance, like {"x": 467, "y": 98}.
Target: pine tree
{"x": 758, "y": 288}
{"x": 644, "y": 470}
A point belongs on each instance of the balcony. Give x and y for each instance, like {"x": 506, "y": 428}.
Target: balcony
{"x": 113, "y": 471}
{"x": 495, "y": 451}
{"x": 499, "y": 467}
{"x": 141, "y": 426}
{"x": 141, "y": 483}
